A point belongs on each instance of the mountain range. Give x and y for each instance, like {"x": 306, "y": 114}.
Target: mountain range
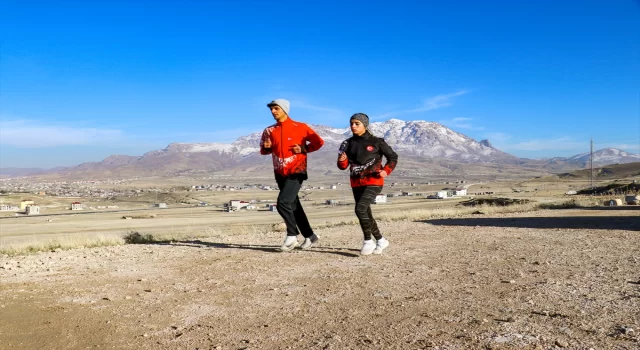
{"x": 423, "y": 147}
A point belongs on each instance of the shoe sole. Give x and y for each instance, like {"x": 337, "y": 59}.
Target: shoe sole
{"x": 288, "y": 248}
{"x": 302, "y": 247}
{"x": 310, "y": 246}
{"x": 378, "y": 251}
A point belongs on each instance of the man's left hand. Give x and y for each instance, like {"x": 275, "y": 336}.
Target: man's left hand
{"x": 383, "y": 174}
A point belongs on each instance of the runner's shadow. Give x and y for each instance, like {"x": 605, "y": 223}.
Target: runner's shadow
{"x": 622, "y": 207}
{"x": 263, "y": 248}
{"x": 631, "y": 223}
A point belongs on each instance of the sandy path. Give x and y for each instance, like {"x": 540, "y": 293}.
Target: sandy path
{"x": 509, "y": 281}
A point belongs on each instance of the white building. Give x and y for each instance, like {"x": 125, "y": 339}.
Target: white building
{"x": 441, "y": 194}
{"x": 76, "y": 206}
{"x": 460, "y": 192}
{"x": 381, "y": 198}
{"x": 8, "y": 207}
{"x": 161, "y": 205}
{"x": 238, "y": 204}
{"x": 32, "y": 210}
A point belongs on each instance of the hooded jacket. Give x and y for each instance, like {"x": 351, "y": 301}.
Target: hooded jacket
{"x": 284, "y": 136}
{"x": 364, "y": 155}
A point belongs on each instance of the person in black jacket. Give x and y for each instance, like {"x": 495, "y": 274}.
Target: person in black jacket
{"x": 363, "y": 152}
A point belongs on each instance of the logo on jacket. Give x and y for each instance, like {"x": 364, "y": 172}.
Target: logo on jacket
{"x": 369, "y": 148}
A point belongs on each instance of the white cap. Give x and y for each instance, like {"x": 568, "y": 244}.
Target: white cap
{"x": 284, "y": 104}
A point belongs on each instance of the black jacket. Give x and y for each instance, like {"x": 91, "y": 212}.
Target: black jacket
{"x": 364, "y": 155}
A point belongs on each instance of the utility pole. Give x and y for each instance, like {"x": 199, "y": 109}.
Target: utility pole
{"x": 591, "y": 168}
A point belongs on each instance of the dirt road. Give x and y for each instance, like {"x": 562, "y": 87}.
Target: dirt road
{"x": 538, "y": 280}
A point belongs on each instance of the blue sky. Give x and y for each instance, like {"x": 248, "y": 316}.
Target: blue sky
{"x": 81, "y": 80}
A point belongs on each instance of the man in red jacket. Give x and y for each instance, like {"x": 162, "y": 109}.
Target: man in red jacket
{"x": 288, "y": 142}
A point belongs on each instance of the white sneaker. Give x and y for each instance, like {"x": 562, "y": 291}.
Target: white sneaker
{"x": 309, "y": 242}
{"x": 289, "y": 243}
{"x": 367, "y": 247}
{"x": 382, "y": 243}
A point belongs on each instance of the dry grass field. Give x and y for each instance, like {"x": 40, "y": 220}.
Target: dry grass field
{"x": 69, "y": 228}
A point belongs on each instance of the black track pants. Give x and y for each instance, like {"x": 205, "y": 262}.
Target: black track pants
{"x": 290, "y": 208}
{"x": 364, "y": 196}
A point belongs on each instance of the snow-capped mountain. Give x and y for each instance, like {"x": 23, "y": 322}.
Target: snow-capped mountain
{"x": 426, "y": 139}
{"x": 221, "y": 148}
{"x": 608, "y": 156}
{"x": 433, "y": 140}
{"x": 601, "y": 157}
{"x": 417, "y": 140}
{"x": 420, "y": 144}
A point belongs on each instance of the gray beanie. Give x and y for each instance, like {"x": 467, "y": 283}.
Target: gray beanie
{"x": 284, "y": 104}
{"x": 363, "y": 118}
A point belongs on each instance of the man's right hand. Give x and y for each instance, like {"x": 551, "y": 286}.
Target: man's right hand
{"x": 266, "y": 143}
{"x": 342, "y": 157}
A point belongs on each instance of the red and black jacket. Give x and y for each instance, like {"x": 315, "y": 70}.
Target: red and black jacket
{"x": 283, "y": 137}
{"x": 364, "y": 155}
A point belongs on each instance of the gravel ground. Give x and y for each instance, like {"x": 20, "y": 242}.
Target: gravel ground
{"x": 537, "y": 280}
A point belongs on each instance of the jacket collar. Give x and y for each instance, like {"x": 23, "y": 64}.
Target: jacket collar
{"x": 287, "y": 121}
